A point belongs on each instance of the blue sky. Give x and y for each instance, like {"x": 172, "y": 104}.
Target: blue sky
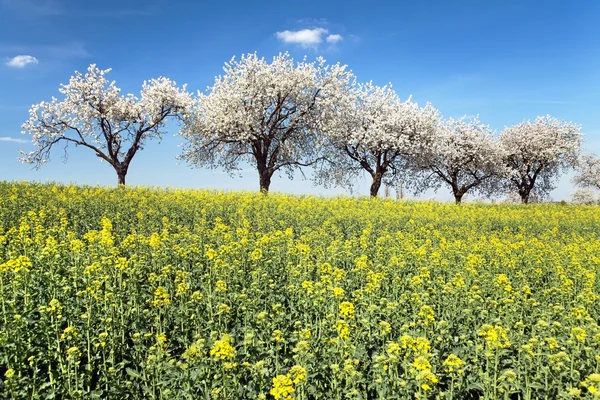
{"x": 504, "y": 60}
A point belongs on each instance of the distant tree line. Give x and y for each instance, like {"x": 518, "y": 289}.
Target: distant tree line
{"x": 282, "y": 116}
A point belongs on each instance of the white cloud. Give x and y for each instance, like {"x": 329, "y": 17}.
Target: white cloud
{"x": 333, "y": 39}
{"x": 304, "y": 37}
{"x": 21, "y": 61}
{"x": 13, "y": 140}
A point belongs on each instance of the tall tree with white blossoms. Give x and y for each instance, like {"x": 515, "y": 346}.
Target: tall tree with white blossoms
{"x": 463, "y": 155}
{"x": 588, "y": 172}
{"x": 93, "y": 114}
{"x": 372, "y": 130}
{"x": 536, "y": 153}
{"x": 268, "y": 114}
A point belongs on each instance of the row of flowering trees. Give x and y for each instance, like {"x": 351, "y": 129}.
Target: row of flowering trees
{"x": 281, "y": 116}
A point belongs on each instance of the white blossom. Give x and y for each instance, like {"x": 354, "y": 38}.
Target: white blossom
{"x": 268, "y": 114}
{"x": 585, "y": 196}
{"x": 370, "y": 129}
{"x": 588, "y": 171}
{"x": 94, "y": 114}
{"x": 462, "y": 155}
{"x": 535, "y": 153}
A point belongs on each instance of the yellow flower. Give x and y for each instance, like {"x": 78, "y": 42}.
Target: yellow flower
{"x": 578, "y": 334}
{"x": 196, "y": 296}
{"x": 421, "y": 363}
{"x": 262, "y": 316}
{"x": 592, "y": 389}
{"x": 427, "y": 315}
{"x": 54, "y": 305}
{"x": 154, "y": 240}
{"x": 256, "y": 255}
{"x": 161, "y": 297}
{"x": 211, "y": 254}
{"x": 302, "y": 347}
{"x": 502, "y": 281}
{"x": 338, "y": 292}
{"x": 427, "y": 375}
{"x": 9, "y": 373}
{"x": 282, "y": 387}
{"x": 343, "y": 329}
{"x": 453, "y": 364}
{"x": 347, "y": 310}
{"x": 73, "y": 352}
{"x": 69, "y": 333}
{"x": 222, "y": 349}
{"x": 221, "y": 286}
{"x": 384, "y": 328}
{"x": 297, "y": 374}
{"x": 495, "y": 337}
{"x": 277, "y": 336}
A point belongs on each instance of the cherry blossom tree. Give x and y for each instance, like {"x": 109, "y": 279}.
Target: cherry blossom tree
{"x": 268, "y": 114}
{"x": 463, "y": 155}
{"x": 372, "y": 130}
{"x": 585, "y": 196}
{"x": 588, "y": 172}
{"x": 536, "y": 153}
{"x": 93, "y": 114}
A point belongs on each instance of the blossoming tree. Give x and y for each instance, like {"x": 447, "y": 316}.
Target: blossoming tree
{"x": 372, "y": 130}
{"x": 585, "y": 196}
{"x": 462, "y": 155}
{"x": 268, "y": 114}
{"x": 93, "y": 114}
{"x": 588, "y": 172}
{"x": 536, "y": 153}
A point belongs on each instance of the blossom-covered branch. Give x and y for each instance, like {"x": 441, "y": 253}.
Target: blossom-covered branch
{"x": 372, "y": 130}
{"x": 462, "y": 155}
{"x": 268, "y": 114}
{"x": 535, "y": 153}
{"x": 588, "y": 172}
{"x": 94, "y": 114}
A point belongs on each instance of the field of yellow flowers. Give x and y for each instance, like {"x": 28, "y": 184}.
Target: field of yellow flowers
{"x": 172, "y": 294}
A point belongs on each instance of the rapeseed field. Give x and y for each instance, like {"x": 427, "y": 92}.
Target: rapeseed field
{"x": 135, "y": 293}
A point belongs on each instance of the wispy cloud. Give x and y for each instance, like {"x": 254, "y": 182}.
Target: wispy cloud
{"x": 537, "y": 101}
{"x": 42, "y": 8}
{"x": 333, "y": 39}
{"x": 58, "y": 51}
{"x": 21, "y": 61}
{"x": 308, "y": 38}
{"x": 14, "y": 140}
{"x": 313, "y": 21}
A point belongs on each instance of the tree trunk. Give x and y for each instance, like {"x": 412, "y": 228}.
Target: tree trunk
{"x": 458, "y": 195}
{"x": 524, "y": 193}
{"x": 376, "y": 184}
{"x": 264, "y": 180}
{"x": 121, "y": 173}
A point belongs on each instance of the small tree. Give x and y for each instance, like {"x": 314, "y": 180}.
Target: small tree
{"x": 94, "y": 114}
{"x": 588, "y": 172}
{"x": 585, "y": 196}
{"x": 462, "y": 155}
{"x": 371, "y": 130}
{"x": 536, "y": 153}
{"x": 268, "y": 114}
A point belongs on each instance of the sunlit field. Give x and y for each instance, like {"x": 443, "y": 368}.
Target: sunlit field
{"x": 138, "y": 293}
